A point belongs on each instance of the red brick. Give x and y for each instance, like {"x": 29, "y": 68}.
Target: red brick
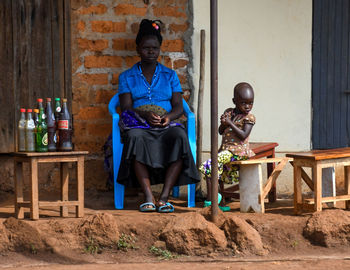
{"x": 108, "y": 26}
{"x": 104, "y": 96}
{"x": 121, "y": 44}
{"x": 99, "y": 129}
{"x": 131, "y": 60}
{"x": 92, "y": 45}
{"x": 115, "y": 78}
{"x": 100, "y": 9}
{"x": 127, "y": 9}
{"x": 180, "y": 63}
{"x": 178, "y": 27}
{"x": 92, "y": 61}
{"x": 167, "y": 61}
{"x": 89, "y": 113}
{"x": 95, "y": 79}
{"x": 176, "y": 45}
{"x": 81, "y": 26}
{"x": 182, "y": 78}
{"x": 169, "y": 11}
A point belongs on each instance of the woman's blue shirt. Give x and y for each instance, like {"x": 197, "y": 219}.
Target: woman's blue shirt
{"x": 164, "y": 82}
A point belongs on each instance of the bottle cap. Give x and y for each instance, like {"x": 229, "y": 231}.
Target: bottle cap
{"x": 48, "y": 99}
{"x": 57, "y": 99}
{"x": 23, "y": 110}
{"x": 36, "y": 110}
{"x": 64, "y": 100}
{"x": 40, "y": 100}
{"x": 29, "y": 110}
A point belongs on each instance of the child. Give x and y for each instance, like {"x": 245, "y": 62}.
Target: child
{"x": 235, "y": 127}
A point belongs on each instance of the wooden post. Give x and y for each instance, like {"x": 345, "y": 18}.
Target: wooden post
{"x": 34, "y": 192}
{"x": 200, "y": 99}
{"x": 64, "y": 187}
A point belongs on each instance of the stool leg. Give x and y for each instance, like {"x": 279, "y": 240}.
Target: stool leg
{"x": 80, "y": 188}
{"x": 64, "y": 187}
{"x": 317, "y": 177}
{"x": 347, "y": 184}
{"x": 19, "y": 211}
{"x": 34, "y": 196}
{"x": 298, "y": 198}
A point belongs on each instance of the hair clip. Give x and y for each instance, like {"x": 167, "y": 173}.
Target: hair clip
{"x": 155, "y": 26}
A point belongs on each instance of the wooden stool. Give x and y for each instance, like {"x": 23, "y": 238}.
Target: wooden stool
{"x": 34, "y": 158}
{"x": 252, "y": 192}
{"x": 321, "y": 162}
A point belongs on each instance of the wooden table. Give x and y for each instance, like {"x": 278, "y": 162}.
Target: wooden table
{"x": 317, "y": 160}
{"x": 261, "y": 149}
{"x": 34, "y": 158}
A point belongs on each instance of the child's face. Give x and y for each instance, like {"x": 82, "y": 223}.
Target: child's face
{"x": 244, "y": 101}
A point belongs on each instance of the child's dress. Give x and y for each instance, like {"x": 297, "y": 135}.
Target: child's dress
{"x": 231, "y": 149}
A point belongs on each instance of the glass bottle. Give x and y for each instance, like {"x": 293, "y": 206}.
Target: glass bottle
{"x": 21, "y": 131}
{"x": 30, "y": 132}
{"x": 41, "y": 129}
{"x": 57, "y": 117}
{"x": 65, "y": 128}
{"x": 51, "y": 126}
{"x": 36, "y": 116}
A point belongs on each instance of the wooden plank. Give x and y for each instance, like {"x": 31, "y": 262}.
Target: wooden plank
{"x": 329, "y": 199}
{"x": 34, "y": 189}
{"x": 272, "y": 179}
{"x": 67, "y": 52}
{"x": 261, "y": 161}
{"x": 305, "y": 177}
{"x": 80, "y": 187}
{"x": 297, "y": 189}
{"x": 58, "y": 203}
{"x": 48, "y": 154}
{"x": 322, "y": 154}
{"x": 7, "y": 119}
{"x": 64, "y": 187}
{"x": 317, "y": 178}
{"x": 347, "y": 184}
{"x": 19, "y": 212}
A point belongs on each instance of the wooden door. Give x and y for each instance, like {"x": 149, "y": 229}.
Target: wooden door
{"x": 35, "y": 53}
{"x": 331, "y": 74}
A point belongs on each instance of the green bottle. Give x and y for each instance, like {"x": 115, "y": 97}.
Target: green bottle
{"x": 41, "y": 129}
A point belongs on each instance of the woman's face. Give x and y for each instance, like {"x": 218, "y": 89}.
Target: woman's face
{"x": 149, "y": 49}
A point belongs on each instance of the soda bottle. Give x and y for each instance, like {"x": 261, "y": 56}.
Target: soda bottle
{"x": 41, "y": 129}
{"x": 57, "y": 117}
{"x": 65, "y": 128}
{"x": 21, "y": 131}
{"x": 30, "y": 132}
{"x": 36, "y": 117}
{"x": 51, "y": 126}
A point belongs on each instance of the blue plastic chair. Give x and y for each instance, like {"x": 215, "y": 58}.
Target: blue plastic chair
{"x": 118, "y": 149}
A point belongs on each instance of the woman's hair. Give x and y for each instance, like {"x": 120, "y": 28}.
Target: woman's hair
{"x": 149, "y": 28}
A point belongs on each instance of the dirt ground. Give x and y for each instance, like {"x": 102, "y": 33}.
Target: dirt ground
{"x": 186, "y": 239}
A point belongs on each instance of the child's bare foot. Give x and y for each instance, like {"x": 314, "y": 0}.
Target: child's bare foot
{"x": 147, "y": 207}
{"x": 164, "y": 207}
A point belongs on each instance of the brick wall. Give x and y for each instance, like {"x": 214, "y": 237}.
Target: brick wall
{"x": 103, "y": 46}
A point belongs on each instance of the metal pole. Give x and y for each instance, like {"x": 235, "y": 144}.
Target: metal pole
{"x": 214, "y": 107}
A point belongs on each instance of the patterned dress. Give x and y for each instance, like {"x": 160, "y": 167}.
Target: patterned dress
{"x": 232, "y": 148}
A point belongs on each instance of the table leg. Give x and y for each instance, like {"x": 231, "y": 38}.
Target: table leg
{"x": 80, "y": 187}
{"x": 34, "y": 201}
{"x": 64, "y": 187}
{"x": 297, "y": 189}
{"x": 347, "y": 184}
{"x": 19, "y": 211}
{"x": 272, "y": 193}
{"x": 317, "y": 178}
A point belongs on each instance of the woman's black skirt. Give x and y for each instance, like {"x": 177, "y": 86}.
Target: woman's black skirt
{"x": 156, "y": 149}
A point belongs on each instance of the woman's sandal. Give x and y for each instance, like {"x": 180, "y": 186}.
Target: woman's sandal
{"x": 147, "y": 207}
{"x": 208, "y": 203}
{"x": 165, "y": 208}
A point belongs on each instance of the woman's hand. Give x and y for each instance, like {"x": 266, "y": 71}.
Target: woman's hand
{"x": 165, "y": 121}
{"x": 153, "y": 119}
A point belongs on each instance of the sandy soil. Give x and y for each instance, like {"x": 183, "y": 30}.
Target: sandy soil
{"x": 186, "y": 239}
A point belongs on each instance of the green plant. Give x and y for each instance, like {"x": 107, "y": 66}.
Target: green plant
{"x": 33, "y": 250}
{"x": 295, "y": 243}
{"x": 162, "y": 254}
{"x": 92, "y": 248}
{"x": 126, "y": 242}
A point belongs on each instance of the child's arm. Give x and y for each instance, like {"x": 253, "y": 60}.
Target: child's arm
{"x": 224, "y": 125}
{"x": 241, "y": 133}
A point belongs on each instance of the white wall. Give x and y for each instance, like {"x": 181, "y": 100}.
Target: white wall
{"x": 268, "y": 44}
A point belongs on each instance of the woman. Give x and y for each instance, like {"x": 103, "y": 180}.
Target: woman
{"x": 156, "y": 149}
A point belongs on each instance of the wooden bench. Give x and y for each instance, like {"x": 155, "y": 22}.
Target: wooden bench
{"x": 34, "y": 158}
{"x": 321, "y": 162}
{"x": 252, "y": 191}
{"x": 261, "y": 150}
